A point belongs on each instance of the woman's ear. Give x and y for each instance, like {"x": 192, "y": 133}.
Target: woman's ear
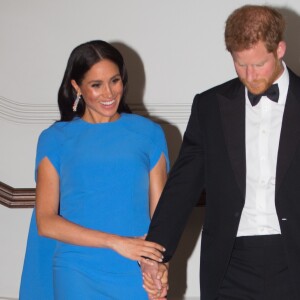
{"x": 75, "y": 86}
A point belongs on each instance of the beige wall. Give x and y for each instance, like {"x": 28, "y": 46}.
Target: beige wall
{"x": 174, "y": 49}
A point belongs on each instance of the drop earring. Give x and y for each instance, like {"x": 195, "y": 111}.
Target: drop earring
{"x": 76, "y": 102}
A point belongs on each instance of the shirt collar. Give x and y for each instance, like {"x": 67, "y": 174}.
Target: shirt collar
{"x": 283, "y": 84}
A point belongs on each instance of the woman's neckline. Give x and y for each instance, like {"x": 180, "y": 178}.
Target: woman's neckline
{"x": 102, "y": 123}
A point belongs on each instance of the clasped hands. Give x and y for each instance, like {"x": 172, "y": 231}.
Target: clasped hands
{"x": 155, "y": 278}
{"x": 149, "y": 254}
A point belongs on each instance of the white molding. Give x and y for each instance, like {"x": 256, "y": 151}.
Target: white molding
{"x": 23, "y": 113}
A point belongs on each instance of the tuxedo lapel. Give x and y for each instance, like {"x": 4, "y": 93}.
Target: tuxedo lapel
{"x": 290, "y": 130}
{"x": 232, "y": 110}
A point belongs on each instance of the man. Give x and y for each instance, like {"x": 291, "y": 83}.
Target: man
{"x": 242, "y": 145}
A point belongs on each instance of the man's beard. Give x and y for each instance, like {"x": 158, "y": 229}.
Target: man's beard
{"x": 261, "y": 85}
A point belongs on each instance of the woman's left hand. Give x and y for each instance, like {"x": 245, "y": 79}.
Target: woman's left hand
{"x": 136, "y": 248}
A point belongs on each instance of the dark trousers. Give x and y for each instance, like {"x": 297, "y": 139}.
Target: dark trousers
{"x": 258, "y": 270}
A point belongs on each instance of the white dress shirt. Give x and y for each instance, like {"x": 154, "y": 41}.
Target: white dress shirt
{"x": 263, "y": 127}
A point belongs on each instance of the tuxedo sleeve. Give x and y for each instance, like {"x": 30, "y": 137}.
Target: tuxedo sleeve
{"x": 184, "y": 185}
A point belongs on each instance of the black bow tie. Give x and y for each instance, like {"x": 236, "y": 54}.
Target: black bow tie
{"x": 272, "y": 93}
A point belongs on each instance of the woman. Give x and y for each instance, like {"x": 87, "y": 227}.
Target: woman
{"x": 100, "y": 171}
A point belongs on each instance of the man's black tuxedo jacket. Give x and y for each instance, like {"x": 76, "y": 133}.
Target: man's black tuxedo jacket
{"x": 213, "y": 157}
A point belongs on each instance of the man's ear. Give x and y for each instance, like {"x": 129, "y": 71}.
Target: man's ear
{"x": 281, "y": 49}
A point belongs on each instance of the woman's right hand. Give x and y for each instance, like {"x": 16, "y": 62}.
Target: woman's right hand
{"x": 136, "y": 248}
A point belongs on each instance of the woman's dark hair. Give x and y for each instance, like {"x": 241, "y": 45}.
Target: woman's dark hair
{"x": 82, "y": 58}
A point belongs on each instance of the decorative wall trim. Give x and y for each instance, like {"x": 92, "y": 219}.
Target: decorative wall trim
{"x": 16, "y": 198}
{"x": 25, "y": 197}
{"x": 27, "y": 113}
{"x": 23, "y": 113}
